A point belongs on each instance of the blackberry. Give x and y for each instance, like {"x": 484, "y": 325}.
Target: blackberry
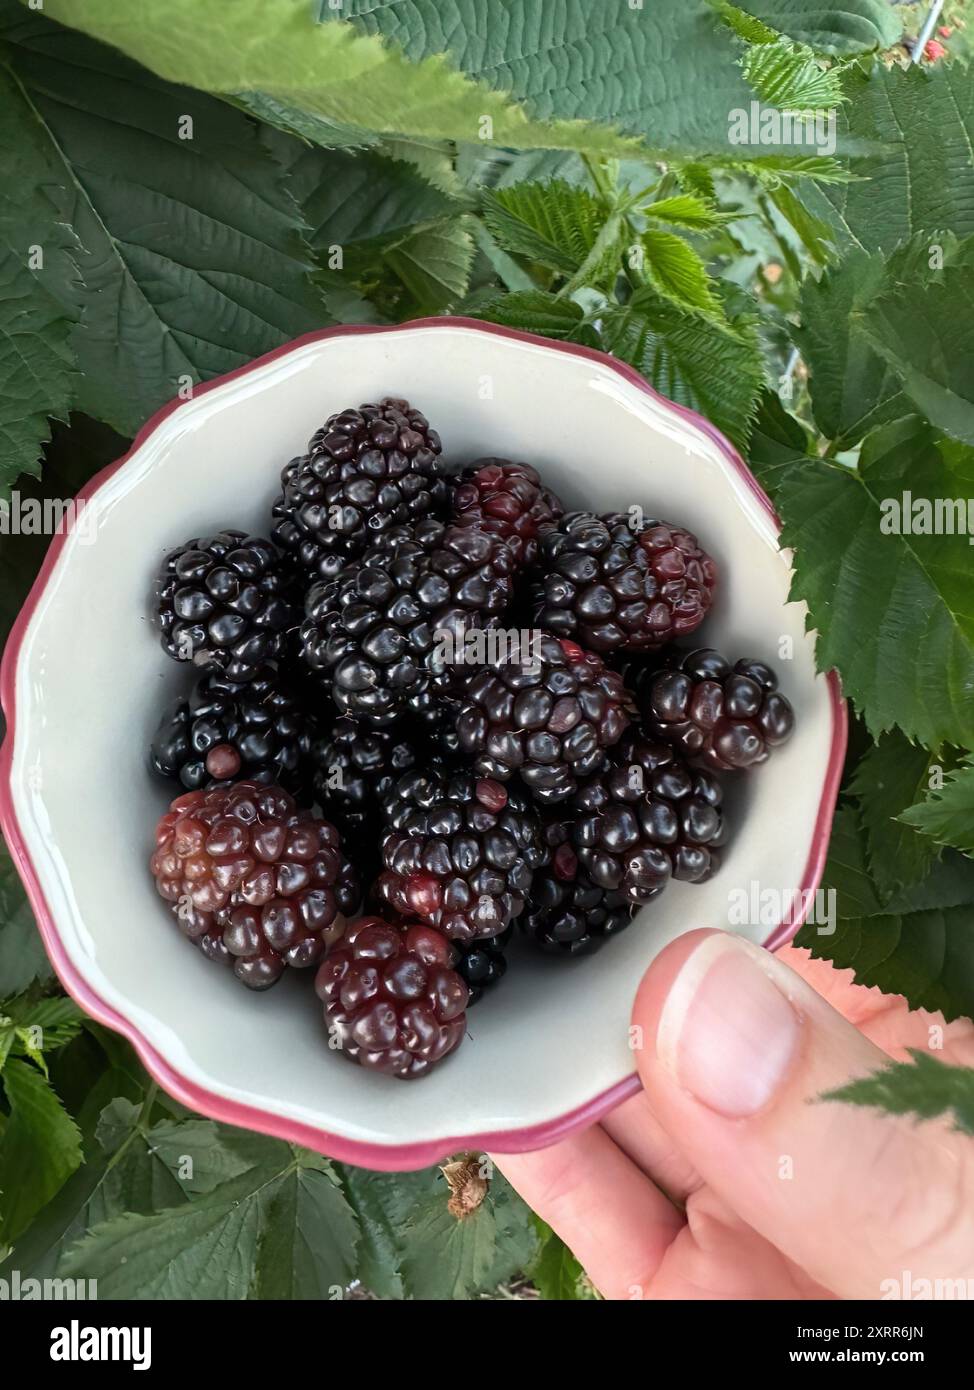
{"x": 257, "y": 729}
{"x": 482, "y": 963}
{"x": 224, "y": 603}
{"x": 353, "y": 767}
{"x": 609, "y": 586}
{"x": 646, "y": 819}
{"x": 573, "y": 917}
{"x": 255, "y": 882}
{"x": 508, "y": 500}
{"x": 392, "y": 1002}
{"x": 365, "y": 471}
{"x": 544, "y": 709}
{"x": 460, "y": 851}
{"x": 385, "y": 634}
{"x": 726, "y": 716}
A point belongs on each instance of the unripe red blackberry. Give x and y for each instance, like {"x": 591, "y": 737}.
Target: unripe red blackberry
{"x": 546, "y": 710}
{"x": 224, "y": 603}
{"x": 647, "y": 818}
{"x": 610, "y": 587}
{"x": 392, "y": 1001}
{"x": 365, "y": 471}
{"x": 726, "y": 716}
{"x": 253, "y": 880}
{"x": 508, "y": 500}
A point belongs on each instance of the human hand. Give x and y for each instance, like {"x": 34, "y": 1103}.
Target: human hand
{"x": 775, "y": 1193}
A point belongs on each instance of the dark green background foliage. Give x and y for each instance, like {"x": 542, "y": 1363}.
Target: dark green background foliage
{"x": 204, "y": 182}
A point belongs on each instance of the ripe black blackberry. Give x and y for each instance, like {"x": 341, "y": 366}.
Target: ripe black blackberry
{"x": 385, "y": 635}
{"x": 609, "y": 586}
{"x": 726, "y": 716}
{"x": 573, "y": 917}
{"x": 645, "y": 819}
{"x": 460, "y": 851}
{"x": 365, "y": 471}
{"x": 392, "y": 1002}
{"x": 508, "y": 500}
{"x": 253, "y": 880}
{"x": 256, "y": 729}
{"x": 354, "y": 765}
{"x": 544, "y": 709}
{"x": 224, "y": 602}
{"x": 482, "y": 963}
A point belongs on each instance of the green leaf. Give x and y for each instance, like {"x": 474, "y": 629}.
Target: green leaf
{"x": 928, "y": 340}
{"x": 534, "y": 311}
{"x": 920, "y": 123}
{"x": 330, "y": 72}
{"x": 555, "y": 1272}
{"x": 189, "y": 272}
{"x": 852, "y": 389}
{"x": 383, "y": 1204}
{"x": 947, "y": 816}
{"x": 37, "y": 261}
{"x": 350, "y": 200}
{"x": 788, "y": 76}
{"x": 667, "y": 71}
{"x": 677, "y": 272}
{"x": 919, "y": 943}
{"x": 36, "y": 366}
{"x": 39, "y": 1150}
{"x": 874, "y": 595}
{"x": 889, "y": 778}
{"x": 555, "y": 224}
{"x": 308, "y": 1246}
{"x": 22, "y": 955}
{"x": 689, "y": 211}
{"x": 122, "y": 1173}
{"x": 505, "y": 267}
{"x": 744, "y": 25}
{"x": 200, "y": 1154}
{"x": 47, "y": 1023}
{"x": 925, "y": 1088}
{"x": 777, "y": 441}
{"x": 717, "y": 371}
{"x": 772, "y": 170}
{"x": 433, "y": 264}
{"x": 446, "y": 1258}
{"x": 854, "y": 26}
{"x": 202, "y": 1249}
{"x": 815, "y": 235}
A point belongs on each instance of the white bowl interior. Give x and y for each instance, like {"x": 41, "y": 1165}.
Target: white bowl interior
{"x": 92, "y": 679}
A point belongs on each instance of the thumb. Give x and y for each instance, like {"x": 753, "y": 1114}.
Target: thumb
{"x": 736, "y": 1051}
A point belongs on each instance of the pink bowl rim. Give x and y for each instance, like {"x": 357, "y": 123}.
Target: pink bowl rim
{"x": 421, "y": 1152}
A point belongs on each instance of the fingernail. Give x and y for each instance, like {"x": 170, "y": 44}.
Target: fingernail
{"x": 727, "y": 1033}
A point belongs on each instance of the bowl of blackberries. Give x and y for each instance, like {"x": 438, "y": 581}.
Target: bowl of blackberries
{"x": 460, "y": 698}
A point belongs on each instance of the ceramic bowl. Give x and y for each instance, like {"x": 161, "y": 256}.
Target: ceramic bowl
{"x": 84, "y": 679}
